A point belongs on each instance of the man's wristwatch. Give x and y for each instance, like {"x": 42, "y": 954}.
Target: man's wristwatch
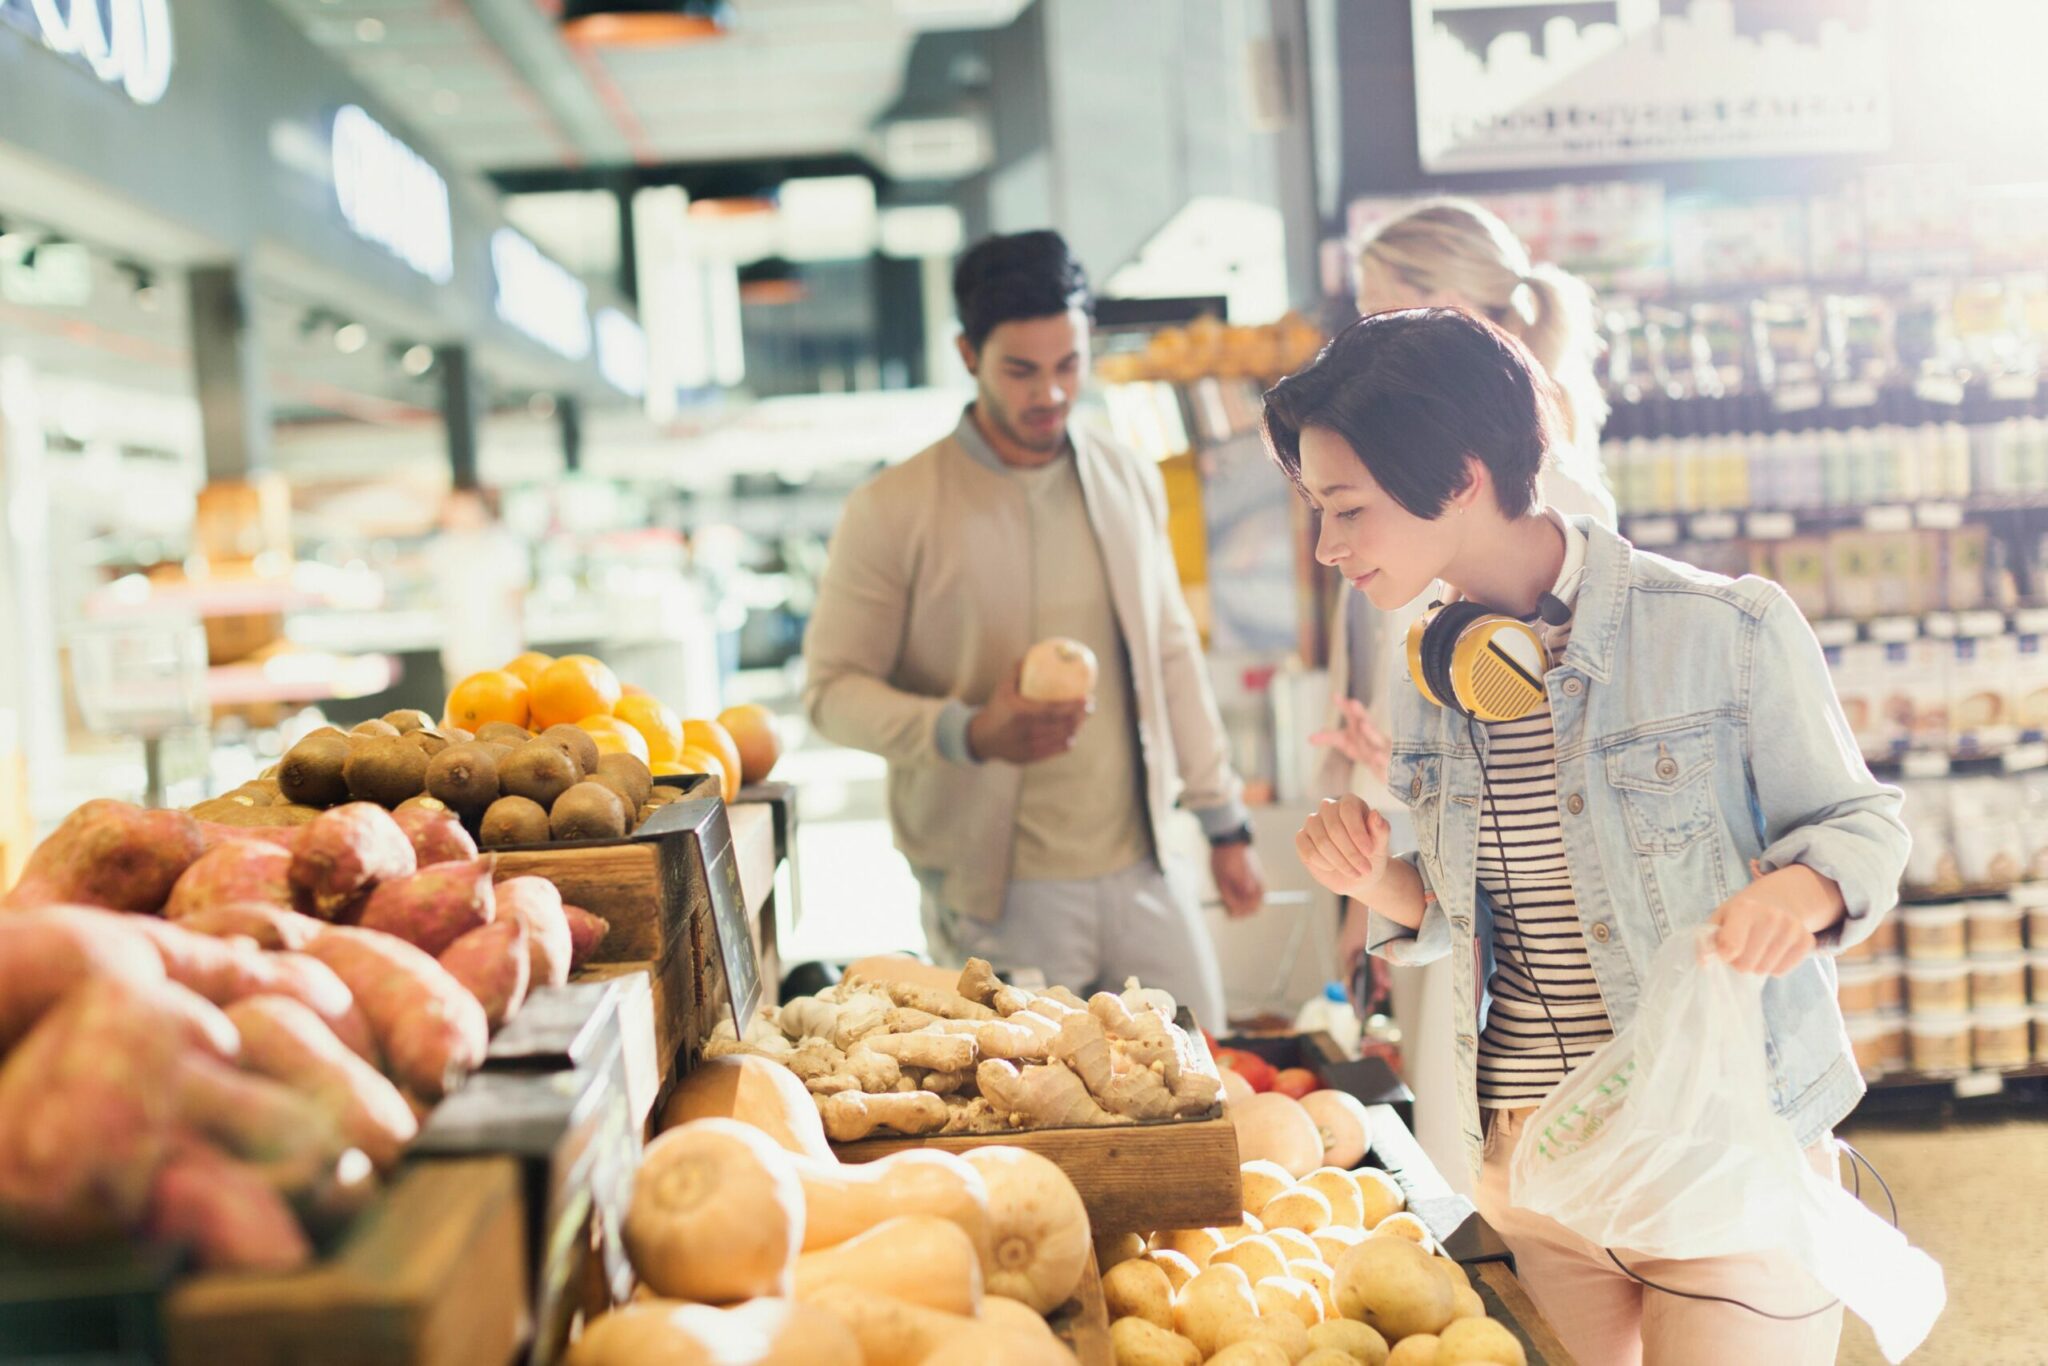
{"x": 1241, "y": 835}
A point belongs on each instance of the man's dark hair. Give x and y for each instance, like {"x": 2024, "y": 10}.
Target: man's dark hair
{"x": 1414, "y": 392}
{"x": 1005, "y": 279}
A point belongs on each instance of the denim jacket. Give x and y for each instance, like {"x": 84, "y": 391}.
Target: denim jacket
{"x": 1697, "y": 731}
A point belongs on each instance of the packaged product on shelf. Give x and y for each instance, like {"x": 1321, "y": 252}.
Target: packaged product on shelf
{"x": 1998, "y": 980}
{"x": 1999, "y": 1039}
{"x": 2030, "y": 683}
{"x": 1852, "y": 574}
{"x": 1895, "y": 569}
{"x": 1890, "y": 982}
{"x": 1802, "y": 571}
{"x": 2032, "y": 899}
{"x": 1938, "y": 1043}
{"x": 1858, "y": 672}
{"x": 1937, "y": 988}
{"x": 1996, "y": 926}
{"x": 1990, "y": 845}
{"x": 1934, "y": 934}
{"x": 1924, "y": 683}
{"x": 1931, "y": 866}
{"x": 2037, "y": 976}
{"x": 1980, "y": 676}
{"x": 1894, "y": 1044}
{"x": 1866, "y": 1038}
{"x": 1966, "y": 548}
{"x": 1889, "y": 938}
{"x": 1856, "y": 987}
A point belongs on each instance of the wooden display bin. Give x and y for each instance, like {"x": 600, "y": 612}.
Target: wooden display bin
{"x": 1082, "y": 1323}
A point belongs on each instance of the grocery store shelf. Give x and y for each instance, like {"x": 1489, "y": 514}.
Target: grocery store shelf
{"x": 1966, "y": 1085}
{"x": 1653, "y": 529}
{"x": 300, "y": 677}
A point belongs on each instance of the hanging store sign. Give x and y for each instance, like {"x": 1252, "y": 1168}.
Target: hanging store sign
{"x": 1515, "y": 84}
{"x": 621, "y": 353}
{"x": 539, "y": 297}
{"x": 125, "y": 43}
{"x": 390, "y": 195}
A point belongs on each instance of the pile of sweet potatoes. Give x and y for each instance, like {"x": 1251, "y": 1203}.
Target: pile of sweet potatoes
{"x": 220, "y": 1037}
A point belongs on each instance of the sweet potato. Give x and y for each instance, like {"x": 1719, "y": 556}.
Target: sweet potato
{"x": 431, "y": 1030}
{"x": 229, "y": 1215}
{"x": 538, "y": 905}
{"x": 434, "y": 907}
{"x": 437, "y": 837}
{"x": 111, "y": 854}
{"x": 586, "y": 932}
{"x": 213, "y": 834}
{"x": 44, "y": 953}
{"x": 288, "y": 1135}
{"x": 344, "y": 855}
{"x": 270, "y": 927}
{"x": 88, "y": 1101}
{"x": 494, "y": 964}
{"x": 237, "y": 871}
{"x": 286, "y": 1042}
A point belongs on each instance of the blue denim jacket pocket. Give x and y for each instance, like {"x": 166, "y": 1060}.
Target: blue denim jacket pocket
{"x": 1666, "y": 786}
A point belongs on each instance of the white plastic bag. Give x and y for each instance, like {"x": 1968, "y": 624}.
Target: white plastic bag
{"x": 1664, "y": 1144}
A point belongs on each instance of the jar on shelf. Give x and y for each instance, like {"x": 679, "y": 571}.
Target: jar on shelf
{"x": 1888, "y": 940}
{"x": 1937, "y": 988}
{"x": 1856, "y": 988}
{"x": 1867, "y": 1035}
{"x": 1938, "y": 1043}
{"x": 1891, "y": 982}
{"x": 2032, "y": 899}
{"x": 1998, "y": 980}
{"x": 1996, "y": 927}
{"x": 2041, "y": 1034}
{"x": 2037, "y": 976}
{"x": 1936, "y": 934}
{"x": 1894, "y": 1043}
{"x": 2000, "y": 1039}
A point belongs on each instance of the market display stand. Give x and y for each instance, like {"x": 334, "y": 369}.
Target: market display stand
{"x": 1083, "y": 1322}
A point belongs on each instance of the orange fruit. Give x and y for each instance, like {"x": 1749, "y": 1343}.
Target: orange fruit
{"x": 493, "y": 695}
{"x": 529, "y": 665}
{"x": 703, "y": 761}
{"x": 571, "y": 688}
{"x": 614, "y": 736}
{"x": 631, "y": 690}
{"x": 716, "y": 741}
{"x": 657, "y": 723}
{"x": 668, "y": 768}
{"x": 752, "y": 728}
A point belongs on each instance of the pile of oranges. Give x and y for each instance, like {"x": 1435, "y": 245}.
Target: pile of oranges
{"x": 537, "y": 691}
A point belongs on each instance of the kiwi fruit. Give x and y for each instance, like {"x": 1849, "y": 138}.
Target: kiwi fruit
{"x": 386, "y": 771}
{"x": 424, "y": 802}
{"x": 588, "y": 811}
{"x": 457, "y": 735}
{"x": 644, "y": 815}
{"x": 513, "y": 820}
{"x": 255, "y": 795}
{"x": 269, "y": 775}
{"x": 630, "y": 773}
{"x": 578, "y": 743}
{"x": 382, "y": 729}
{"x": 504, "y": 733}
{"x": 499, "y": 753}
{"x": 427, "y": 739}
{"x": 406, "y": 720}
{"x": 464, "y": 777}
{"x": 538, "y": 772}
{"x": 311, "y": 773}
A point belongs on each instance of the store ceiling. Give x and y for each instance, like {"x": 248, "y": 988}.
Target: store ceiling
{"x": 494, "y": 85}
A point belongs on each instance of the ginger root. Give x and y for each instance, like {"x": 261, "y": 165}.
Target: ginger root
{"x": 973, "y": 1115}
{"x": 946, "y": 1004}
{"x": 979, "y": 983}
{"x": 903, "y": 1020}
{"x": 1083, "y": 1047}
{"x": 934, "y": 1052}
{"x": 1041, "y": 1097}
{"x": 1022, "y": 1036}
{"x": 941, "y": 1083}
{"x": 852, "y": 1115}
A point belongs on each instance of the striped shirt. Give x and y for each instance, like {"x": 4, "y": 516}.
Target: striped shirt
{"x": 1538, "y": 944}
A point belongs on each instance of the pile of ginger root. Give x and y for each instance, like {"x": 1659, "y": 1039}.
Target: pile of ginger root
{"x": 913, "y": 1059}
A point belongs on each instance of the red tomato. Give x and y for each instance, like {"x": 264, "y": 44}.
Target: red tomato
{"x": 1250, "y": 1066}
{"x": 1296, "y": 1082}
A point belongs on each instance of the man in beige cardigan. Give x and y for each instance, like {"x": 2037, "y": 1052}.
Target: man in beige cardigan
{"x": 1034, "y": 828}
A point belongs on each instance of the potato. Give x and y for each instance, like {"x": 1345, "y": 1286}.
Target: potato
{"x": 1301, "y": 1208}
{"x": 1381, "y": 1194}
{"x": 1252, "y": 1224}
{"x": 1295, "y": 1244}
{"x": 1390, "y": 1285}
{"x": 1110, "y": 1250}
{"x": 1257, "y": 1256}
{"x": 1419, "y": 1350}
{"x": 1139, "y": 1290}
{"x": 1327, "y": 1356}
{"x": 1284, "y": 1331}
{"x": 1198, "y": 1245}
{"x": 1256, "y": 1352}
{"x": 1208, "y": 1303}
{"x": 1452, "y": 1272}
{"x": 1408, "y": 1226}
{"x": 1332, "y": 1243}
{"x": 1347, "y": 1202}
{"x": 1179, "y": 1270}
{"x": 1286, "y": 1295}
{"x": 1263, "y": 1179}
{"x": 1140, "y": 1343}
{"x": 1470, "y": 1341}
{"x": 1466, "y": 1304}
{"x": 1353, "y": 1339}
{"x": 1322, "y": 1278}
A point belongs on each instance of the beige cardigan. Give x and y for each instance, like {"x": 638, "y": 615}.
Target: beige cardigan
{"x": 921, "y": 610}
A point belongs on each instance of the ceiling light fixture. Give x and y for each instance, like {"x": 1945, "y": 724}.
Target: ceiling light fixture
{"x": 350, "y": 338}
{"x": 142, "y": 283}
{"x": 636, "y": 23}
{"x": 369, "y": 30}
{"x": 416, "y": 359}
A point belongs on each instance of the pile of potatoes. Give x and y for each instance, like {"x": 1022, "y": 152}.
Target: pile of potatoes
{"x": 508, "y": 786}
{"x": 1329, "y": 1270}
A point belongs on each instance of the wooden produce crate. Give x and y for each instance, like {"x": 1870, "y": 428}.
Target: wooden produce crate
{"x": 1083, "y": 1322}
{"x": 576, "y": 1027}
{"x": 435, "y": 1273}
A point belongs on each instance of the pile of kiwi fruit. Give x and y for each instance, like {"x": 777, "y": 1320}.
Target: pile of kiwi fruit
{"x": 506, "y": 784}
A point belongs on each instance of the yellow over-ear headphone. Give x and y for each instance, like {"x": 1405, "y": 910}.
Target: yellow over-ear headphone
{"x": 1481, "y": 663}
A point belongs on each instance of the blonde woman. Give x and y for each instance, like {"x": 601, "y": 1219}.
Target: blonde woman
{"x": 1451, "y": 253}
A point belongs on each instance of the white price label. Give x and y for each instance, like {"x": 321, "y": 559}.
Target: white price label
{"x": 1888, "y": 519}
{"x": 1975, "y": 1085}
{"x": 1939, "y": 625}
{"x": 1981, "y": 624}
{"x": 1853, "y": 394}
{"x": 1714, "y": 526}
{"x": 1943, "y": 389}
{"x": 1795, "y": 398}
{"x": 2021, "y": 758}
{"x": 1939, "y": 516}
{"x": 1924, "y": 764}
{"x": 1654, "y": 531}
{"x": 1892, "y": 630}
{"x": 2015, "y": 388}
{"x": 1772, "y": 526}
{"x": 2031, "y": 621}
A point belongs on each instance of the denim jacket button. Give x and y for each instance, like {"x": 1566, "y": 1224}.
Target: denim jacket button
{"x": 1415, "y": 786}
{"x": 1572, "y": 687}
{"x": 1575, "y": 803}
{"x": 1667, "y": 768}
{"x": 1601, "y": 934}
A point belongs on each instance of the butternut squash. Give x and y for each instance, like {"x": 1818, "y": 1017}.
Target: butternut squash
{"x": 891, "y": 1332}
{"x": 1000, "y": 1311}
{"x": 843, "y": 1200}
{"x": 757, "y": 1091}
{"x": 717, "y": 1214}
{"x": 758, "y": 1333}
{"x": 1038, "y": 1225}
{"x": 918, "y": 1258}
{"x": 985, "y": 1344}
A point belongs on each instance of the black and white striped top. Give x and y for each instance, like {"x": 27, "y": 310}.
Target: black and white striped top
{"x": 1536, "y": 931}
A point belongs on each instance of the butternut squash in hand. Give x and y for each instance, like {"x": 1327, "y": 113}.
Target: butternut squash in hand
{"x": 1038, "y": 1225}
{"x": 717, "y": 1215}
{"x": 759, "y": 1333}
{"x": 918, "y": 1258}
{"x": 843, "y": 1200}
{"x": 756, "y": 1091}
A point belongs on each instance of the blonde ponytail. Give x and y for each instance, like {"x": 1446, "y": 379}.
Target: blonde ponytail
{"x": 1454, "y": 247}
